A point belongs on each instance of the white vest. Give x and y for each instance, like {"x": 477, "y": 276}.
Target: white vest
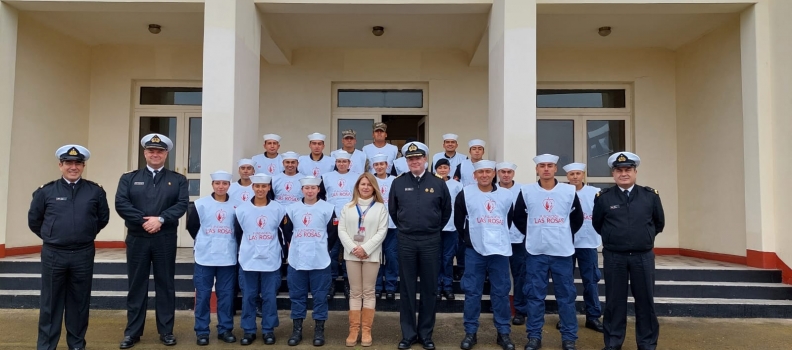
{"x": 586, "y": 237}
{"x": 260, "y": 249}
{"x": 339, "y": 188}
{"x": 454, "y": 187}
{"x": 466, "y": 173}
{"x": 384, "y": 187}
{"x": 215, "y": 243}
{"x": 488, "y": 220}
{"x": 514, "y": 233}
{"x": 452, "y": 162}
{"x": 357, "y": 163}
{"x": 287, "y": 189}
{"x": 269, "y": 166}
{"x": 389, "y": 150}
{"x": 310, "y": 167}
{"x": 241, "y": 193}
{"x": 549, "y": 232}
{"x": 308, "y": 248}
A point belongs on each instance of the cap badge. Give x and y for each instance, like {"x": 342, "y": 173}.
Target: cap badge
{"x": 621, "y": 158}
{"x": 412, "y": 148}
{"x": 73, "y": 152}
{"x": 156, "y": 139}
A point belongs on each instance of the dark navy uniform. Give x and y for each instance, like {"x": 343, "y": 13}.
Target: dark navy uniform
{"x": 141, "y": 194}
{"x": 628, "y": 224}
{"x": 420, "y": 208}
{"x": 67, "y": 217}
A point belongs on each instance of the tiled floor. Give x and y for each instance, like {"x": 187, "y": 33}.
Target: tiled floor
{"x": 185, "y": 255}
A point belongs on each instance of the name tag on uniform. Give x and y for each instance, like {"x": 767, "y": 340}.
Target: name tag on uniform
{"x": 60, "y": 198}
{"x": 615, "y": 206}
{"x": 139, "y": 183}
{"x": 408, "y": 189}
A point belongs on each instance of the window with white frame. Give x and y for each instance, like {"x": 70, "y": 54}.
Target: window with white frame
{"x": 585, "y": 125}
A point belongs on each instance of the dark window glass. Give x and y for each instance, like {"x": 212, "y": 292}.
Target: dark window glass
{"x": 556, "y": 137}
{"x": 580, "y": 98}
{"x": 194, "y": 152}
{"x": 603, "y": 138}
{"x": 601, "y": 184}
{"x": 172, "y": 96}
{"x": 380, "y": 98}
{"x": 161, "y": 125}
{"x": 194, "y": 187}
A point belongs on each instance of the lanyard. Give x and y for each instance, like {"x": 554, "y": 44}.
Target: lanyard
{"x": 362, "y": 215}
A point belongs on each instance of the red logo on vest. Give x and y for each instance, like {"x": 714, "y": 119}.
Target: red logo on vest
{"x": 548, "y": 204}
{"x": 261, "y": 221}
{"x": 306, "y": 219}
{"x": 316, "y": 172}
{"x": 271, "y": 168}
{"x": 383, "y": 190}
{"x": 288, "y": 186}
{"x": 244, "y": 196}
{"x": 489, "y": 205}
{"x": 341, "y": 183}
{"x": 220, "y": 215}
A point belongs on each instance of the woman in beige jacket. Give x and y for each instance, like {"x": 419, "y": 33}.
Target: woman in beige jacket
{"x": 361, "y": 229}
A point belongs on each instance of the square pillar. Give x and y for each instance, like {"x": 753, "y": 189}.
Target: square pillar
{"x": 8, "y": 52}
{"x": 512, "y": 84}
{"x": 231, "y": 65}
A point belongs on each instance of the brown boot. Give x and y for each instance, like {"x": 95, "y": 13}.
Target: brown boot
{"x": 367, "y": 321}
{"x": 354, "y": 328}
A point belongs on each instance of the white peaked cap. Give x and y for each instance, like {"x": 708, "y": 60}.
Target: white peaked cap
{"x": 246, "y": 161}
{"x": 341, "y": 154}
{"x": 290, "y": 155}
{"x": 506, "y": 165}
{"x": 545, "y": 158}
{"x": 310, "y": 181}
{"x": 156, "y": 141}
{"x": 450, "y": 137}
{"x": 379, "y": 157}
{"x": 316, "y": 137}
{"x": 624, "y": 159}
{"x": 575, "y": 167}
{"x": 476, "y": 142}
{"x": 73, "y": 152}
{"x": 274, "y": 137}
{"x": 261, "y": 178}
{"x": 484, "y": 164}
{"x": 221, "y": 175}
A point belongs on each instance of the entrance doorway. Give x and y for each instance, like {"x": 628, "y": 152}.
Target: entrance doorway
{"x": 401, "y": 128}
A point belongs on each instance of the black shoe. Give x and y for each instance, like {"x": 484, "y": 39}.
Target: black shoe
{"x": 505, "y": 341}
{"x": 128, "y": 342}
{"x": 346, "y": 289}
{"x": 296, "y": 336}
{"x": 612, "y": 348}
{"x": 518, "y": 320}
{"x": 378, "y": 295}
{"x": 407, "y": 343}
{"x": 595, "y": 324}
{"x": 269, "y": 338}
{"x": 533, "y": 344}
{"x": 319, "y": 338}
{"x": 468, "y": 342}
{"x": 439, "y": 296}
{"x": 168, "y": 339}
{"x": 449, "y": 295}
{"x": 390, "y": 296}
{"x": 258, "y": 312}
{"x": 558, "y": 325}
{"x": 332, "y": 291}
{"x": 428, "y": 344}
{"x": 77, "y": 349}
{"x": 203, "y": 340}
{"x": 247, "y": 339}
{"x": 568, "y": 345}
{"x": 457, "y": 277}
{"x": 227, "y": 337}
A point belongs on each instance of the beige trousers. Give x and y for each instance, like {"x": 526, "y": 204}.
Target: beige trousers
{"x": 362, "y": 280}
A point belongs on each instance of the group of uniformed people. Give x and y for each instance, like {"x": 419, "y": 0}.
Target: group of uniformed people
{"x": 287, "y": 206}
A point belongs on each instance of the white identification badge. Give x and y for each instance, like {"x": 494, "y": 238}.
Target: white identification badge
{"x": 361, "y": 235}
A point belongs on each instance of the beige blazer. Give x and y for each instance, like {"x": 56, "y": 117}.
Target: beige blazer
{"x": 376, "y": 224}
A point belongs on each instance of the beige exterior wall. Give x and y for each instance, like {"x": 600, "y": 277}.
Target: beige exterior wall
{"x": 652, "y": 75}
{"x": 51, "y": 98}
{"x": 710, "y": 135}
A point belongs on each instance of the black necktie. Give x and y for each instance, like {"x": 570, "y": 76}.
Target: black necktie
{"x": 627, "y": 194}
{"x": 71, "y": 184}
{"x": 155, "y": 174}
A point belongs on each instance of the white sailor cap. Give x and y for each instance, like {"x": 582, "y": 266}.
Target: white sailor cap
{"x": 506, "y": 165}
{"x": 221, "y": 175}
{"x": 624, "y": 159}
{"x": 545, "y": 158}
{"x": 450, "y": 137}
{"x": 290, "y": 155}
{"x": 484, "y": 164}
{"x": 73, "y": 152}
{"x": 341, "y": 154}
{"x": 575, "y": 167}
{"x": 274, "y": 137}
{"x": 261, "y": 178}
{"x": 246, "y": 161}
{"x": 156, "y": 141}
{"x": 476, "y": 142}
{"x": 414, "y": 149}
{"x": 316, "y": 137}
{"x": 379, "y": 157}
{"x": 310, "y": 181}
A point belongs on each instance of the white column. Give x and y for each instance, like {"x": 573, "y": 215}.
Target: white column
{"x": 512, "y": 84}
{"x": 231, "y": 64}
{"x": 8, "y": 46}
{"x": 757, "y": 133}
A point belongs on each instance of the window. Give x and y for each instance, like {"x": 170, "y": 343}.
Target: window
{"x": 380, "y": 98}
{"x": 171, "y": 96}
{"x": 585, "y": 126}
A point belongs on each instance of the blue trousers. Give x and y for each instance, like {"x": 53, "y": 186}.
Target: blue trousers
{"x": 389, "y": 270}
{"x": 266, "y": 283}
{"x": 241, "y": 277}
{"x": 300, "y": 282}
{"x": 337, "y": 266}
{"x": 222, "y": 278}
{"x": 517, "y": 265}
{"x": 460, "y": 255}
{"x": 445, "y": 278}
{"x": 477, "y": 267}
{"x": 590, "y": 274}
{"x": 537, "y": 268}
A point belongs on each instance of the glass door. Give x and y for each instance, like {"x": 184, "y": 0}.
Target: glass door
{"x": 361, "y": 123}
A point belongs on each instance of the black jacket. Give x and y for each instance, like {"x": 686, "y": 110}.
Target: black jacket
{"x": 521, "y": 215}
{"x": 419, "y": 207}
{"x": 139, "y": 195}
{"x": 461, "y": 217}
{"x": 67, "y": 218}
{"x": 628, "y": 225}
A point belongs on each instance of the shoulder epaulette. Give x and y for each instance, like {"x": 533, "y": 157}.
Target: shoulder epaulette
{"x": 48, "y": 183}
{"x": 93, "y": 182}
{"x": 652, "y": 190}
{"x": 131, "y": 171}
{"x": 397, "y": 176}
{"x": 602, "y": 191}
{"x": 439, "y": 177}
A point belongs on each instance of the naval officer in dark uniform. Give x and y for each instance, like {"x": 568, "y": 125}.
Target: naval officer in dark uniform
{"x": 67, "y": 214}
{"x": 151, "y": 200}
{"x": 420, "y": 206}
{"x": 628, "y": 217}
